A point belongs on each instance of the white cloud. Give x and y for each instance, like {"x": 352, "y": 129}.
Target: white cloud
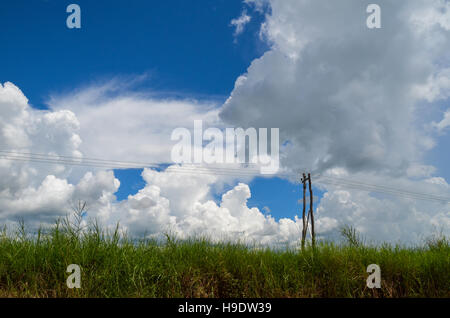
{"x": 239, "y": 23}
{"x": 40, "y": 192}
{"x": 346, "y": 99}
{"x": 437, "y": 86}
{"x": 171, "y": 201}
{"x": 341, "y": 93}
{"x": 444, "y": 123}
{"x": 420, "y": 171}
{"x": 25, "y": 129}
{"x": 131, "y": 126}
{"x": 182, "y": 204}
{"x": 385, "y": 214}
{"x": 428, "y": 16}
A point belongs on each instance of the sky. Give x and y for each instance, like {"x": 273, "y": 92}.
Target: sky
{"x": 367, "y": 110}
{"x": 184, "y": 48}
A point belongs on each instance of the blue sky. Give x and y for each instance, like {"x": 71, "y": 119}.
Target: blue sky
{"x": 185, "y": 48}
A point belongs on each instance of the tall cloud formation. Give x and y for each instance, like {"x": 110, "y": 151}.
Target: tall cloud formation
{"x": 40, "y": 192}
{"x": 349, "y": 102}
{"x": 342, "y": 94}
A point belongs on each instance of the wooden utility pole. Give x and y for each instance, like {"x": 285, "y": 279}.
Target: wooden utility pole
{"x": 310, "y": 211}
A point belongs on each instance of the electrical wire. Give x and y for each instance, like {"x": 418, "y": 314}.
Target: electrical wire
{"x": 244, "y": 171}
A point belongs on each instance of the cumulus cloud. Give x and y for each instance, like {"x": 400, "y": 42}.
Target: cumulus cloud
{"x": 28, "y": 130}
{"x": 35, "y": 191}
{"x": 240, "y": 22}
{"x": 347, "y": 98}
{"x": 383, "y": 215}
{"x": 172, "y": 200}
{"x": 183, "y": 205}
{"x": 444, "y": 123}
{"x": 342, "y": 94}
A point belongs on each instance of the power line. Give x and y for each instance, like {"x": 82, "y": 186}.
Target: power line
{"x": 76, "y": 159}
{"x": 425, "y": 197}
{"x": 381, "y": 188}
{"x": 209, "y": 170}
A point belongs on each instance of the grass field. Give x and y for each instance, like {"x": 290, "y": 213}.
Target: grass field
{"x": 114, "y": 266}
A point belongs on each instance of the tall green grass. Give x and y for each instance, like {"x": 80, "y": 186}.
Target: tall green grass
{"x": 115, "y": 266}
